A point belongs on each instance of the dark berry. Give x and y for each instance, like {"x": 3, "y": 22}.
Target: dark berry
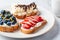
{"x": 8, "y": 20}
{"x": 0, "y": 20}
{"x": 8, "y": 12}
{"x": 13, "y": 18}
{"x": 8, "y": 17}
{"x": 1, "y": 23}
{"x": 5, "y": 21}
{"x": 9, "y": 23}
{"x": 3, "y": 12}
{"x": 13, "y": 23}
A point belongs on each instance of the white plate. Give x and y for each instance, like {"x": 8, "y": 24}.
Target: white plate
{"x": 44, "y": 13}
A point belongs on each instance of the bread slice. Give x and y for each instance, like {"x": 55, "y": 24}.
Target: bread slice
{"x": 9, "y": 29}
{"x": 29, "y": 31}
{"x": 22, "y": 11}
{"x": 32, "y": 24}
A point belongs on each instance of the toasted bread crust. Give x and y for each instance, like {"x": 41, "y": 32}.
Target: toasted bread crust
{"x": 35, "y": 29}
{"x": 9, "y": 29}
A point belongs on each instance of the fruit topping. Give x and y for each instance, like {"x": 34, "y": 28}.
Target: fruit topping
{"x": 5, "y": 21}
{"x": 7, "y": 18}
{"x": 3, "y": 12}
{"x": 1, "y": 23}
{"x": 26, "y": 26}
{"x": 31, "y": 21}
{"x": 9, "y": 23}
{"x": 13, "y": 23}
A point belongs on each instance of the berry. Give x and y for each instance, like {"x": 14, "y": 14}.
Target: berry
{"x": 7, "y": 17}
{"x": 3, "y": 12}
{"x": 1, "y": 23}
{"x": 5, "y": 21}
{"x": 9, "y": 23}
{"x": 34, "y": 20}
{"x": 26, "y": 26}
{"x": 39, "y": 19}
{"x": 8, "y": 12}
{"x": 13, "y": 18}
{"x": 0, "y": 18}
{"x": 13, "y": 23}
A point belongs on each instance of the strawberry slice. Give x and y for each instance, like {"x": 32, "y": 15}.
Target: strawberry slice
{"x": 38, "y": 18}
{"x": 34, "y": 20}
{"x": 33, "y": 23}
{"x": 26, "y": 26}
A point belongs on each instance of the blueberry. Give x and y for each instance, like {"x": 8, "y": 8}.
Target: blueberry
{"x": 1, "y": 23}
{"x": 8, "y": 12}
{"x": 0, "y": 18}
{"x": 7, "y": 17}
{"x": 3, "y": 12}
{"x": 13, "y": 23}
{"x": 9, "y": 23}
{"x": 5, "y": 21}
{"x": 13, "y": 18}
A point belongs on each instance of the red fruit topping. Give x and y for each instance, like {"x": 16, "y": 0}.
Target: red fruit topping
{"x": 31, "y": 21}
{"x": 34, "y": 20}
{"x": 38, "y": 18}
{"x": 32, "y": 24}
{"x": 26, "y": 26}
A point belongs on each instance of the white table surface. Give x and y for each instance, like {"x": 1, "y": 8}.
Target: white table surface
{"x": 53, "y": 34}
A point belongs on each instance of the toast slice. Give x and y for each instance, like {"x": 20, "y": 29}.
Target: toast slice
{"x": 8, "y": 28}
{"x": 36, "y": 23}
{"x": 22, "y": 11}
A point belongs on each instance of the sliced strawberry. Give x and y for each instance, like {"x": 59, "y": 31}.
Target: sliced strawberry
{"x": 26, "y": 26}
{"x": 39, "y": 19}
{"x": 33, "y": 23}
{"x": 34, "y": 20}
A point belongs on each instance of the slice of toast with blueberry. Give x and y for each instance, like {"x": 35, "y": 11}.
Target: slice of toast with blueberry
{"x": 8, "y": 22}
